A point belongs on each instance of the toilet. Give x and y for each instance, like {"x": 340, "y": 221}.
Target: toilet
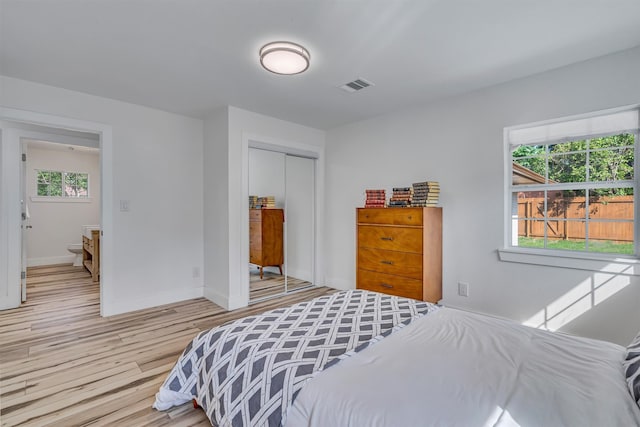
{"x": 76, "y": 249}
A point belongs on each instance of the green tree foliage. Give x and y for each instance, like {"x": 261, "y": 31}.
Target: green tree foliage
{"x": 610, "y": 158}
{"x": 59, "y": 184}
{"x": 49, "y": 183}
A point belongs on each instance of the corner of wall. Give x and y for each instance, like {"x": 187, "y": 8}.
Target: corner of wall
{"x": 112, "y": 308}
{"x": 215, "y": 201}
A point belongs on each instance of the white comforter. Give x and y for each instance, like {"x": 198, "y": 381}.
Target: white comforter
{"x": 453, "y": 368}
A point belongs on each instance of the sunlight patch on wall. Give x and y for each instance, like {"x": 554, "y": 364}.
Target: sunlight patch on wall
{"x": 613, "y": 285}
{"x": 577, "y": 301}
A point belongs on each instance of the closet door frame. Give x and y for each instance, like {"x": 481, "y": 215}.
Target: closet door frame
{"x": 295, "y": 149}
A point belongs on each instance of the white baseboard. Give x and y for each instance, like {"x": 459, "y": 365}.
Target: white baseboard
{"x": 111, "y": 308}
{"x": 224, "y": 301}
{"x": 64, "y": 259}
{"x": 340, "y": 284}
{"x": 299, "y": 274}
{"x": 216, "y": 297}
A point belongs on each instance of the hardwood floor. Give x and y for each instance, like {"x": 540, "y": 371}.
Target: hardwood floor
{"x": 272, "y": 284}
{"x": 62, "y": 364}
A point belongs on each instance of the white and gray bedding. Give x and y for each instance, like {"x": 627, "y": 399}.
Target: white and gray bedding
{"x": 454, "y": 368}
{"x": 632, "y": 368}
{"x": 399, "y": 367}
{"x": 249, "y": 371}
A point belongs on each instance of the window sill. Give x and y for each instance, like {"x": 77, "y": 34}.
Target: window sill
{"x": 48, "y": 199}
{"x": 597, "y": 262}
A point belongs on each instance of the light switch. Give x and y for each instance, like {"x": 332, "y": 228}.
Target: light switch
{"x": 124, "y": 206}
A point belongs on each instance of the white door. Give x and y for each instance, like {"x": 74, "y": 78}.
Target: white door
{"x": 25, "y": 224}
{"x": 10, "y": 220}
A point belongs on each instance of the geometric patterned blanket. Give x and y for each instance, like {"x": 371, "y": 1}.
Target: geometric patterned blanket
{"x": 249, "y": 371}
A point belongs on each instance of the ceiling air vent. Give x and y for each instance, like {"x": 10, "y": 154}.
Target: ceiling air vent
{"x": 356, "y": 85}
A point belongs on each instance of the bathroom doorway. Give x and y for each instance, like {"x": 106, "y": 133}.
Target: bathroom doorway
{"x": 281, "y": 223}
{"x": 15, "y": 125}
{"x": 60, "y": 192}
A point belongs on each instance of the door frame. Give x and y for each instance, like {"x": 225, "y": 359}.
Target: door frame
{"x": 250, "y": 140}
{"x": 106, "y": 203}
{"x": 24, "y": 223}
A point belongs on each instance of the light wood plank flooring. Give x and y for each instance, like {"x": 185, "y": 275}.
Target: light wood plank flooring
{"x": 272, "y": 284}
{"x": 62, "y": 364}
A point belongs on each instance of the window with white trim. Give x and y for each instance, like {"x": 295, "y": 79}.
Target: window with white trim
{"x": 572, "y": 185}
{"x": 62, "y": 184}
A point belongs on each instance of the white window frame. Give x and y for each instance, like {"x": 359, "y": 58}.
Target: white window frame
{"x": 593, "y": 261}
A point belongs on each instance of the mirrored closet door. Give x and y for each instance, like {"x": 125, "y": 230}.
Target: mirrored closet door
{"x": 281, "y": 223}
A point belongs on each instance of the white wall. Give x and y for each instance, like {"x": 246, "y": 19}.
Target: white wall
{"x": 266, "y": 175}
{"x": 58, "y": 223}
{"x": 157, "y": 166}
{"x": 459, "y": 142}
{"x": 227, "y": 135}
{"x": 217, "y": 268}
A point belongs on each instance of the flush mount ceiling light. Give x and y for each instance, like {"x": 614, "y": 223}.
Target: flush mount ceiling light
{"x": 284, "y": 58}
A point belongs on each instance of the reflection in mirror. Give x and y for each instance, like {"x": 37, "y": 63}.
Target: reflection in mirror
{"x": 266, "y": 224}
{"x": 299, "y": 179}
{"x": 281, "y": 223}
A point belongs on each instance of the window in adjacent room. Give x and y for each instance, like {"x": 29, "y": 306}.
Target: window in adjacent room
{"x": 62, "y": 184}
{"x": 572, "y": 184}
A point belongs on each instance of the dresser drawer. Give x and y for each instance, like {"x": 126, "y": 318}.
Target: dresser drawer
{"x": 255, "y": 232}
{"x": 404, "y": 239}
{"x": 404, "y": 264}
{"x": 255, "y": 215}
{"x": 393, "y": 216}
{"x": 389, "y": 284}
{"x": 255, "y": 256}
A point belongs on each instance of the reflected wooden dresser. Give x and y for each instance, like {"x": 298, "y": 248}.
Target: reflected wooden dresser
{"x": 265, "y": 238}
{"x": 399, "y": 251}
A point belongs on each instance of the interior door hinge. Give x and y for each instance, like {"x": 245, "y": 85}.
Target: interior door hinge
{"x": 24, "y": 157}
{"x": 23, "y": 275}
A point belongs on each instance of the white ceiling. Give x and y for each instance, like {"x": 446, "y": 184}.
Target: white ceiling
{"x": 192, "y": 56}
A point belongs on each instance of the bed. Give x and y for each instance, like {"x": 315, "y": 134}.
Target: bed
{"x": 359, "y": 358}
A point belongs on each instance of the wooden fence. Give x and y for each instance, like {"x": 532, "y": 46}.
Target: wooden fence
{"x": 566, "y": 218}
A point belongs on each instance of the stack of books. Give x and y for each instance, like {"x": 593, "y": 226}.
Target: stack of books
{"x": 375, "y": 199}
{"x": 401, "y": 197}
{"x": 266, "y": 202}
{"x": 425, "y": 194}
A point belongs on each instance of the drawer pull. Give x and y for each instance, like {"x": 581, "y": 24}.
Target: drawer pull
{"x": 387, "y": 262}
{"x": 386, "y": 285}
{"x": 389, "y": 239}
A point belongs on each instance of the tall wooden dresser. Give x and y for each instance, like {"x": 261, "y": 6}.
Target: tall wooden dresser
{"x": 265, "y": 238}
{"x": 399, "y": 251}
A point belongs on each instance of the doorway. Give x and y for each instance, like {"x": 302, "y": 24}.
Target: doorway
{"x": 62, "y": 202}
{"x": 281, "y": 223}
{"x": 16, "y": 126}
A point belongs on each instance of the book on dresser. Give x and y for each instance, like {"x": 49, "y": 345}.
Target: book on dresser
{"x": 266, "y": 248}
{"x": 399, "y": 251}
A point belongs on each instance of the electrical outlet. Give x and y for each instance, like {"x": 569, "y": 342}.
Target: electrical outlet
{"x": 463, "y": 289}
{"x": 196, "y": 272}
